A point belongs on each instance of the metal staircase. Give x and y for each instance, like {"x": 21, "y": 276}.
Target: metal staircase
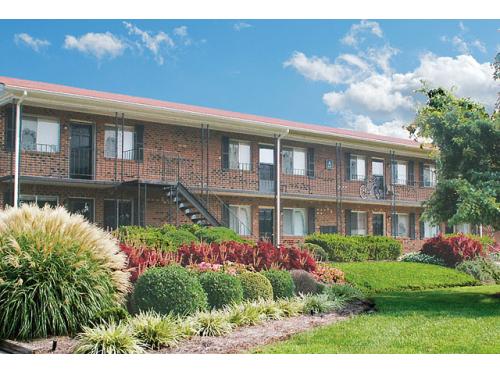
{"x": 191, "y": 206}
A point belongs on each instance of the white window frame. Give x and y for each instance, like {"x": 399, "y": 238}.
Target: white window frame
{"x": 35, "y": 197}
{"x": 294, "y": 170}
{"x": 238, "y": 225}
{"x": 357, "y": 231}
{"x": 397, "y": 178}
{"x": 39, "y": 146}
{"x": 383, "y": 222}
{"x": 128, "y": 154}
{"x": 245, "y": 165}
{"x": 407, "y": 216}
{"x": 294, "y": 231}
{"x": 360, "y": 161}
{"x": 432, "y": 175}
{"x": 430, "y": 230}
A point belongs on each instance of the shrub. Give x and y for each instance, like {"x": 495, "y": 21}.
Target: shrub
{"x": 213, "y": 323}
{"x": 282, "y": 283}
{"x": 305, "y": 283}
{"x": 215, "y": 234}
{"x": 345, "y": 292}
{"x": 481, "y": 269}
{"x": 356, "y": 248}
{"x": 453, "y": 249}
{"x": 271, "y": 310}
{"x": 155, "y": 331}
{"x": 108, "y": 339}
{"x": 111, "y": 315}
{"x": 317, "y": 252}
{"x": 328, "y": 274}
{"x": 486, "y": 241}
{"x": 320, "y": 303}
{"x": 255, "y": 286}
{"x": 221, "y": 289}
{"x": 418, "y": 257}
{"x": 165, "y": 238}
{"x": 140, "y": 259}
{"x": 57, "y": 271}
{"x": 260, "y": 256}
{"x": 171, "y": 289}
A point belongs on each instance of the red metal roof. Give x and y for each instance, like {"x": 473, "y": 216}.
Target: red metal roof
{"x": 54, "y": 88}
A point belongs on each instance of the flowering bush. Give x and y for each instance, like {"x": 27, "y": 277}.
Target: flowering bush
{"x": 453, "y": 249}
{"x": 328, "y": 275}
{"x": 418, "y": 257}
{"x": 140, "y": 259}
{"x": 260, "y": 256}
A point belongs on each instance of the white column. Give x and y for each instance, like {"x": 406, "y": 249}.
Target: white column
{"x": 277, "y": 189}
{"x": 17, "y": 154}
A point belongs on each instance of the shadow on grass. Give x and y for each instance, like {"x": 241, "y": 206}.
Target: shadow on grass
{"x": 441, "y": 302}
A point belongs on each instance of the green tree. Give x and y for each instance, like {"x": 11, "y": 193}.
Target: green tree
{"x": 466, "y": 145}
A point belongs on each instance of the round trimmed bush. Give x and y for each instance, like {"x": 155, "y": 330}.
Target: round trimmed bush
{"x": 282, "y": 283}
{"x": 170, "y": 289}
{"x": 255, "y": 286}
{"x": 221, "y": 289}
{"x": 57, "y": 272}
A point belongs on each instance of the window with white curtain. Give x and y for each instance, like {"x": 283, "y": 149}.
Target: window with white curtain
{"x": 40, "y": 134}
{"x": 240, "y": 219}
{"x": 429, "y": 175}
{"x": 359, "y": 223}
{"x": 377, "y": 167}
{"x": 430, "y": 230}
{"x": 239, "y": 155}
{"x": 357, "y": 166}
{"x": 294, "y": 161}
{"x": 39, "y": 200}
{"x": 122, "y": 142}
{"x": 295, "y": 221}
{"x": 400, "y": 173}
{"x": 403, "y": 222}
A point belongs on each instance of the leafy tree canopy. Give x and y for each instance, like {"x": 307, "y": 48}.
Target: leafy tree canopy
{"x": 466, "y": 142}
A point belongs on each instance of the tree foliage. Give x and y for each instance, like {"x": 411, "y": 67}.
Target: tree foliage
{"x": 466, "y": 140}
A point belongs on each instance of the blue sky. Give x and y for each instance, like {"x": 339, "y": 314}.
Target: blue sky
{"x": 355, "y": 74}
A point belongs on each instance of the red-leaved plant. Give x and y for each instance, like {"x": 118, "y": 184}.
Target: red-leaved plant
{"x": 453, "y": 249}
{"x": 261, "y": 256}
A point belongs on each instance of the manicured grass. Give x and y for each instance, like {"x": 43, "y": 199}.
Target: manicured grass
{"x": 374, "y": 277}
{"x": 452, "y": 320}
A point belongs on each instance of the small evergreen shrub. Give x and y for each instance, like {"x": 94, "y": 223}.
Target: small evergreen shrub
{"x": 282, "y": 283}
{"x": 453, "y": 249}
{"x": 345, "y": 292}
{"x": 170, "y": 289}
{"x": 418, "y": 257}
{"x": 57, "y": 272}
{"x": 482, "y": 269}
{"x": 255, "y": 286}
{"x": 318, "y": 253}
{"x": 221, "y": 289}
{"x": 305, "y": 283}
{"x": 213, "y": 234}
{"x": 356, "y": 248}
{"x": 111, "y": 315}
{"x": 155, "y": 331}
{"x": 108, "y": 339}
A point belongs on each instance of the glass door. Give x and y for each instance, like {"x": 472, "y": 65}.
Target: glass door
{"x": 266, "y": 224}
{"x": 81, "y": 152}
{"x": 266, "y": 169}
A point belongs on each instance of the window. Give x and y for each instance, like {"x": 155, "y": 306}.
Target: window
{"x": 239, "y": 155}
{"x": 122, "y": 143}
{"x": 464, "y": 228}
{"x": 357, "y": 167}
{"x": 39, "y": 134}
{"x": 39, "y": 200}
{"x": 266, "y": 155}
{"x": 240, "y": 219}
{"x": 400, "y": 173}
{"x": 295, "y": 221}
{"x": 378, "y": 224}
{"x": 377, "y": 167}
{"x": 294, "y": 161}
{"x": 430, "y": 230}
{"x": 429, "y": 175}
{"x": 82, "y": 206}
{"x": 358, "y": 223}
{"x": 403, "y": 225}
{"x": 328, "y": 229}
{"x": 117, "y": 213}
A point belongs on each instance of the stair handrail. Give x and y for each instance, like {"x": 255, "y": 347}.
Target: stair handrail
{"x": 198, "y": 204}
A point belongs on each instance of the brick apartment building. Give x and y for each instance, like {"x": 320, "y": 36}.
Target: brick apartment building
{"x": 121, "y": 160}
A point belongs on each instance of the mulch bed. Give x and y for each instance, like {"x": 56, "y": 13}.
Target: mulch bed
{"x": 240, "y": 340}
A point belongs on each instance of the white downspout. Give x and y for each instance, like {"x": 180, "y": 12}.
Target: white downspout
{"x": 17, "y": 141}
{"x": 277, "y": 196}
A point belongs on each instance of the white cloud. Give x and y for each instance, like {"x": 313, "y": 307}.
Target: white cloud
{"x": 100, "y": 45}
{"x": 463, "y": 43}
{"x": 318, "y": 68}
{"x": 241, "y": 25}
{"x": 182, "y": 33}
{"x": 394, "y": 128}
{"x": 353, "y": 37}
{"x": 155, "y": 43}
{"x": 35, "y": 44}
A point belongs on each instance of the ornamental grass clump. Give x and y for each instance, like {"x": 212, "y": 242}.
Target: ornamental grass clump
{"x": 271, "y": 310}
{"x": 345, "y": 292}
{"x": 108, "y": 339}
{"x": 57, "y": 272}
{"x": 155, "y": 331}
{"x": 245, "y": 314}
{"x": 213, "y": 323}
{"x": 291, "y": 306}
{"x": 320, "y": 303}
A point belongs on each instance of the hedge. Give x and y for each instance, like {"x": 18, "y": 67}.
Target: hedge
{"x": 356, "y": 248}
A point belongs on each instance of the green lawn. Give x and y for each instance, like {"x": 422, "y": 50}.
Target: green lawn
{"x": 409, "y": 319}
{"x": 374, "y": 277}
